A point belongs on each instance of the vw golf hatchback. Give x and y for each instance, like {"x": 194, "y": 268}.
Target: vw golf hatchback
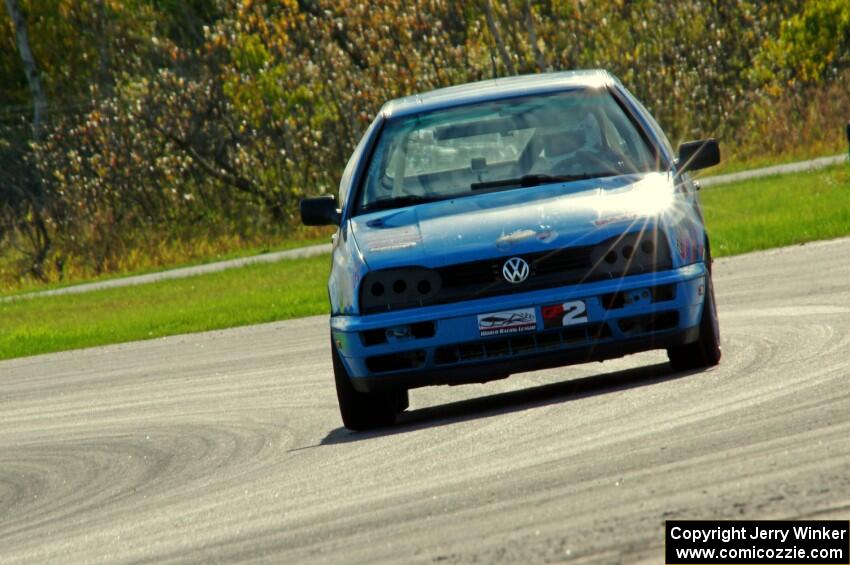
{"x": 512, "y": 225}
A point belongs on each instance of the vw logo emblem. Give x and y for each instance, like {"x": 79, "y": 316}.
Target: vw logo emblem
{"x": 515, "y": 270}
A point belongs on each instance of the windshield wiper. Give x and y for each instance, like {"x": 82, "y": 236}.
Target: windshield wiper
{"x": 399, "y": 202}
{"x": 538, "y": 179}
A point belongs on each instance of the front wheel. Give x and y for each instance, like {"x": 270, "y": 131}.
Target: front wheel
{"x": 705, "y": 351}
{"x": 364, "y": 410}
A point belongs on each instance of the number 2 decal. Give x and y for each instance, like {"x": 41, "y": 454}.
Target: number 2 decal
{"x": 575, "y": 312}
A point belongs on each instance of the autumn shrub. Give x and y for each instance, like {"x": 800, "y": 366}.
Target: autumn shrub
{"x": 202, "y": 127}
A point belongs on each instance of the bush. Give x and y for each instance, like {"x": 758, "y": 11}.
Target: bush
{"x": 210, "y": 120}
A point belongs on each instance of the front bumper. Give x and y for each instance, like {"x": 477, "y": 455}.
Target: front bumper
{"x": 443, "y": 344}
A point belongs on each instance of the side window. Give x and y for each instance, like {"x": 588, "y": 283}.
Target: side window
{"x": 625, "y": 141}
{"x": 374, "y": 187}
{"x": 645, "y": 115}
{"x": 613, "y": 139}
{"x": 351, "y": 166}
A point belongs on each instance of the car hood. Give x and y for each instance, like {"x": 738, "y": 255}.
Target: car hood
{"x": 517, "y": 221}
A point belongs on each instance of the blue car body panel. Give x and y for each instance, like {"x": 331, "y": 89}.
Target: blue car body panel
{"x": 516, "y": 222}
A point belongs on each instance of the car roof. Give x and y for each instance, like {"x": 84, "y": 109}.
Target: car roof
{"x": 495, "y": 89}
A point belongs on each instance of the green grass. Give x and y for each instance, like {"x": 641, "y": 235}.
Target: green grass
{"x": 248, "y": 295}
{"x": 777, "y": 211}
{"x": 24, "y": 286}
{"x": 741, "y": 217}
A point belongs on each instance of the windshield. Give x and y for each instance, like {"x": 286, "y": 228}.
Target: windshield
{"x": 500, "y": 145}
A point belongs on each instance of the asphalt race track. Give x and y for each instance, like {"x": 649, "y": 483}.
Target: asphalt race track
{"x": 227, "y": 445}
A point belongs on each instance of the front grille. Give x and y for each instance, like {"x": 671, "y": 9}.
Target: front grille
{"x": 482, "y": 279}
{"x": 559, "y": 262}
{"x": 468, "y": 274}
{"x": 571, "y": 265}
{"x": 549, "y": 269}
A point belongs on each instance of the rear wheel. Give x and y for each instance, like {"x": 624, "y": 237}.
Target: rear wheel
{"x": 705, "y": 351}
{"x": 364, "y": 410}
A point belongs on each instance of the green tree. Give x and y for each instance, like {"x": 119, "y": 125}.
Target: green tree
{"x": 812, "y": 45}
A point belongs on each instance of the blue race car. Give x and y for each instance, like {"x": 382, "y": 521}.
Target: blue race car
{"x": 512, "y": 225}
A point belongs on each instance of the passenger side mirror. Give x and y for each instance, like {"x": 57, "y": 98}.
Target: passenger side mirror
{"x": 695, "y": 155}
{"x": 320, "y": 211}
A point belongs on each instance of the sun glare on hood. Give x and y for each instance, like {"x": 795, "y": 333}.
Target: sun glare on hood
{"x": 651, "y": 196}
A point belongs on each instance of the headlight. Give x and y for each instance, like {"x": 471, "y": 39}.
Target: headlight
{"x": 398, "y": 288}
{"x": 632, "y": 254}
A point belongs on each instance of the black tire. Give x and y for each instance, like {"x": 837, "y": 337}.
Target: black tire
{"x": 705, "y": 351}
{"x": 364, "y": 410}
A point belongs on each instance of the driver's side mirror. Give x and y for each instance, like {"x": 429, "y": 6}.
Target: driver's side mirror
{"x": 695, "y": 155}
{"x": 320, "y": 211}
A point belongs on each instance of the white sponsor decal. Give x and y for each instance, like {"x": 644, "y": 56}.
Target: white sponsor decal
{"x": 389, "y": 239}
{"x": 392, "y": 246}
{"x": 614, "y": 219}
{"x": 508, "y": 322}
{"x": 505, "y": 241}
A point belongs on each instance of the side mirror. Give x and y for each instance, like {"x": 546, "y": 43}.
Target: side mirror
{"x": 695, "y": 155}
{"x": 320, "y": 211}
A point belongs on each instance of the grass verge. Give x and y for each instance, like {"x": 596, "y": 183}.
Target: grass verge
{"x": 142, "y": 264}
{"x": 778, "y": 211}
{"x": 746, "y": 216}
{"x": 248, "y": 295}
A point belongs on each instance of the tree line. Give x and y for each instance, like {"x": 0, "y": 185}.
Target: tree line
{"x": 128, "y": 124}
